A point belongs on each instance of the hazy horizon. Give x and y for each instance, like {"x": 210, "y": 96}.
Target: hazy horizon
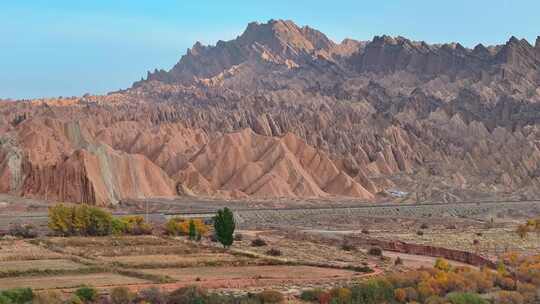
{"x": 67, "y": 49}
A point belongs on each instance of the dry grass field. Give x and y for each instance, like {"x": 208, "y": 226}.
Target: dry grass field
{"x": 70, "y": 281}
{"x": 491, "y": 242}
{"x": 44, "y": 264}
{"x": 279, "y": 276}
{"x": 12, "y": 250}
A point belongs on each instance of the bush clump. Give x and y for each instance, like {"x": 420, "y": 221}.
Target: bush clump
{"x": 47, "y": 297}
{"x": 81, "y": 220}
{"x": 258, "y": 242}
{"x": 74, "y": 300}
{"x": 152, "y": 295}
{"x": 178, "y": 226}
{"x": 16, "y": 296}
{"x": 465, "y": 298}
{"x": 190, "y": 294}
{"x": 311, "y": 295}
{"x": 25, "y": 231}
{"x": 86, "y": 293}
{"x": 121, "y": 295}
{"x": 273, "y": 252}
{"x": 346, "y": 246}
{"x": 270, "y": 296}
{"x": 132, "y": 225}
{"x": 375, "y": 251}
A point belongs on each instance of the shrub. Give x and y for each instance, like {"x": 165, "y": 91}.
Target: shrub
{"x": 74, "y": 300}
{"x": 270, "y": 296}
{"x": 4, "y": 300}
{"x": 17, "y": 295}
{"x": 258, "y": 242}
{"x": 47, "y": 297}
{"x": 135, "y": 225}
{"x": 376, "y": 251}
{"x": 465, "y": 298}
{"x": 311, "y": 295}
{"x": 400, "y": 295}
{"x": 398, "y": 261}
{"x": 118, "y": 226}
{"x": 508, "y": 297}
{"x": 121, "y": 295}
{"x": 86, "y": 293}
{"x": 442, "y": 264}
{"x": 420, "y": 232}
{"x": 436, "y": 300}
{"x": 152, "y": 295}
{"x": 505, "y": 283}
{"x": 522, "y": 231}
{"x": 273, "y": 252}
{"x": 187, "y": 295}
{"x": 179, "y": 226}
{"x": 528, "y": 291}
{"x": 373, "y": 291}
{"x": 25, "y": 231}
{"x": 238, "y": 237}
{"x": 365, "y": 231}
{"x": 424, "y": 226}
{"x": 215, "y": 298}
{"x": 347, "y": 246}
{"x": 341, "y": 295}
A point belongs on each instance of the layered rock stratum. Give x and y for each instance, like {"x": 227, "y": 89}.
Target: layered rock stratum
{"x": 283, "y": 111}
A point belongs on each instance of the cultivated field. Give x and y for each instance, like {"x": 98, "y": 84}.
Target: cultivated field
{"x": 142, "y": 261}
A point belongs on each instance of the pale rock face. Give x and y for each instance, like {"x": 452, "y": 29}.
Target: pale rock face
{"x": 282, "y": 111}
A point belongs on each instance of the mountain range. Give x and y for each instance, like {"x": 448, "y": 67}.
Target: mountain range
{"x": 284, "y": 111}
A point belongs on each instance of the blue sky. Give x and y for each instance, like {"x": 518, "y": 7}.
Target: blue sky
{"x": 71, "y": 47}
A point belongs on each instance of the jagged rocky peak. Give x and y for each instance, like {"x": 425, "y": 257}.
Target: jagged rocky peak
{"x": 279, "y": 35}
{"x": 537, "y": 45}
{"x": 276, "y": 40}
{"x": 518, "y": 53}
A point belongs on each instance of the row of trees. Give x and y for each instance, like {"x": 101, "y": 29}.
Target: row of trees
{"x": 123, "y": 295}
{"x": 85, "y": 220}
{"x": 443, "y": 284}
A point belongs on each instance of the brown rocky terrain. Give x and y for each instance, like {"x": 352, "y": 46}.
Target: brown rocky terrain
{"x": 283, "y": 111}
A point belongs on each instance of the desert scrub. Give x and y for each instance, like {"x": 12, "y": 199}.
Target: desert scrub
{"x": 87, "y": 293}
{"x": 270, "y": 296}
{"x": 258, "y": 242}
{"x": 16, "y": 296}
{"x": 121, "y": 295}
{"x": 25, "y": 231}
{"x": 273, "y": 252}
{"x": 375, "y": 251}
